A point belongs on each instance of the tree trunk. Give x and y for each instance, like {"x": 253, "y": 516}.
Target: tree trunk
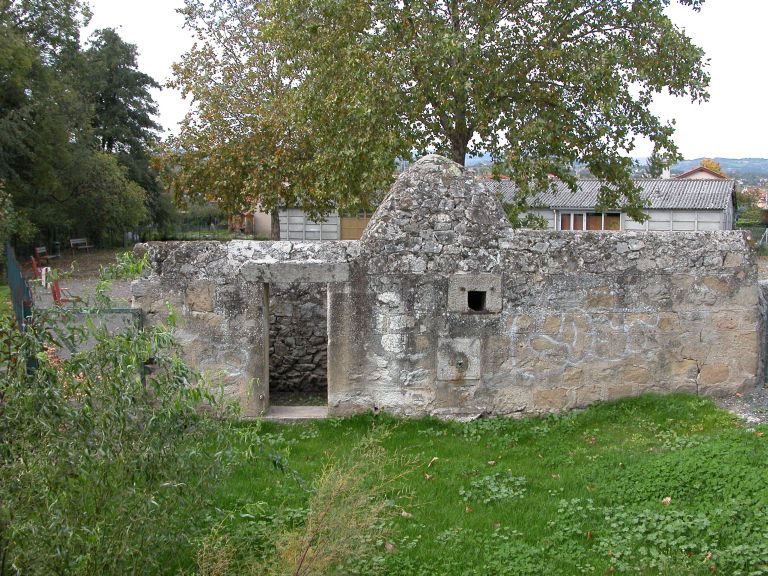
{"x": 275, "y": 229}
{"x": 459, "y": 150}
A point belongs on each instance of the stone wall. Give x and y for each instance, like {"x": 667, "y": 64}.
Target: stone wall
{"x": 442, "y": 309}
{"x": 220, "y": 295}
{"x": 298, "y": 338}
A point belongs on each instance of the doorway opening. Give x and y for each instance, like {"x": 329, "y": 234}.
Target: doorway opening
{"x": 298, "y": 344}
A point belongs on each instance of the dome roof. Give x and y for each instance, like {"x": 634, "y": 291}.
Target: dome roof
{"x": 438, "y": 211}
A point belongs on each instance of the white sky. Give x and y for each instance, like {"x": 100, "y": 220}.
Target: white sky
{"x": 733, "y": 124}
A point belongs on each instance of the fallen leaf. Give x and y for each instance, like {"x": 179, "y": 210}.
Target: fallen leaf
{"x": 590, "y": 488}
{"x": 589, "y": 535}
{"x": 389, "y": 546}
{"x": 405, "y": 514}
{"x": 427, "y": 476}
{"x": 497, "y": 525}
{"x": 759, "y": 434}
{"x": 739, "y": 394}
{"x": 468, "y": 509}
{"x": 434, "y": 459}
{"x": 491, "y": 462}
{"x": 555, "y": 476}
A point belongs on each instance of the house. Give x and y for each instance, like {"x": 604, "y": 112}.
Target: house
{"x": 676, "y": 204}
{"x": 700, "y": 173}
{"x": 296, "y": 225}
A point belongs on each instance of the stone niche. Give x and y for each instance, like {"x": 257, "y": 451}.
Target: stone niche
{"x": 441, "y": 308}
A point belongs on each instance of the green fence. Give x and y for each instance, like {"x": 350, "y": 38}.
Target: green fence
{"x": 21, "y": 295}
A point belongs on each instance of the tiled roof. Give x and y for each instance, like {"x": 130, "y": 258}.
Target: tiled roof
{"x": 663, "y": 194}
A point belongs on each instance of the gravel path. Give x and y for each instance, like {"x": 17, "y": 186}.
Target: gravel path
{"x": 752, "y": 407}
{"x": 85, "y": 289}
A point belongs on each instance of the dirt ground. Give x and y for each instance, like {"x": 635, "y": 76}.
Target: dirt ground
{"x": 79, "y": 274}
{"x": 85, "y": 264}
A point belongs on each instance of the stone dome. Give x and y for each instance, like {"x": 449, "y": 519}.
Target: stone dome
{"x": 438, "y": 212}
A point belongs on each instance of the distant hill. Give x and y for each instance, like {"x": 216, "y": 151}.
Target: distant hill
{"x": 751, "y": 170}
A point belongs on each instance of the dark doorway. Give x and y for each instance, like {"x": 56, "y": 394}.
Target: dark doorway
{"x": 298, "y": 344}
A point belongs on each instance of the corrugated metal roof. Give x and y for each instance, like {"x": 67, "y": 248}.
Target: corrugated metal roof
{"x": 663, "y": 194}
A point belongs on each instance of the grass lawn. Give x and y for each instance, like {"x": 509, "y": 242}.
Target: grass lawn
{"x": 648, "y": 485}
{"x": 5, "y": 300}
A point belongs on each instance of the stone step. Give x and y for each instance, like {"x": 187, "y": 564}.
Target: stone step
{"x": 295, "y": 414}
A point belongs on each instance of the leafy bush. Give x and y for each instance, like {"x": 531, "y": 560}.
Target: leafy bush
{"x": 103, "y": 467}
{"x": 125, "y": 267}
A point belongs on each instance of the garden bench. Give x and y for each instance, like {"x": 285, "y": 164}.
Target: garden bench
{"x": 80, "y": 244}
{"x": 41, "y": 253}
{"x": 62, "y": 295}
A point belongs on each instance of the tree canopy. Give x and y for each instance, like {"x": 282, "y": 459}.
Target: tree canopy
{"x": 711, "y": 164}
{"x": 309, "y": 102}
{"x": 250, "y": 140}
{"x": 76, "y": 126}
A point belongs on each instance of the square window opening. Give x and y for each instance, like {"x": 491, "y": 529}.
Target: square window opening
{"x": 476, "y": 300}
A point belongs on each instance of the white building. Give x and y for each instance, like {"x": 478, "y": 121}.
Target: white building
{"x": 673, "y": 205}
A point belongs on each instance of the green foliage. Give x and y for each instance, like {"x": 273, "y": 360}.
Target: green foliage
{"x": 126, "y": 266}
{"x": 496, "y": 487}
{"x": 103, "y": 467}
{"x": 324, "y": 96}
{"x": 752, "y": 216}
{"x": 747, "y": 197}
{"x": 5, "y": 300}
{"x": 123, "y": 105}
{"x": 61, "y": 108}
{"x": 520, "y": 217}
{"x": 11, "y": 225}
{"x": 593, "y": 499}
{"x": 250, "y": 140}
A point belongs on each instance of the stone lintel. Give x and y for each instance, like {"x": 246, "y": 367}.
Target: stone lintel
{"x": 302, "y": 271}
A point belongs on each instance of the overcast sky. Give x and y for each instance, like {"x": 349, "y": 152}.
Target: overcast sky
{"x": 733, "y": 124}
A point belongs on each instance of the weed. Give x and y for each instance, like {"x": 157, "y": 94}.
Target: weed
{"x": 494, "y": 488}
{"x": 126, "y": 266}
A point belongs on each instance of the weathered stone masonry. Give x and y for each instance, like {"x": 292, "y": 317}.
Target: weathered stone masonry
{"x": 442, "y": 309}
{"x": 298, "y": 338}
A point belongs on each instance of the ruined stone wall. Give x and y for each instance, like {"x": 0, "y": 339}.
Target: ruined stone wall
{"x": 298, "y": 338}
{"x": 442, "y": 309}
{"x": 220, "y": 313}
{"x": 568, "y": 319}
{"x": 219, "y": 294}
{"x": 582, "y": 318}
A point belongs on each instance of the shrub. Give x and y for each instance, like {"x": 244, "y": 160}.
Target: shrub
{"x": 102, "y": 467}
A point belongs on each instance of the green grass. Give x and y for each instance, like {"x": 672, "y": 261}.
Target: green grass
{"x": 567, "y": 494}
{"x": 5, "y": 300}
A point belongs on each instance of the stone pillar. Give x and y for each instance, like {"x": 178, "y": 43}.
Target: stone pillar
{"x": 254, "y": 387}
{"x": 339, "y": 334}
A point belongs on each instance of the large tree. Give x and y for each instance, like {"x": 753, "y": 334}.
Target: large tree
{"x": 124, "y": 109}
{"x": 76, "y": 126}
{"x": 251, "y": 140}
{"x": 540, "y": 84}
{"x": 124, "y": 113}
{"x": 42, "y": 119}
